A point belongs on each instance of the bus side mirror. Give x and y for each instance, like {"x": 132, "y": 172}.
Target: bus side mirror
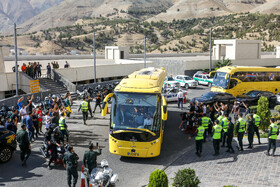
{"x": 226, "y": 76}
{"x": 212, "y": 73}
{"x": 105, "y": 104}
{"x": 163, "y": 109}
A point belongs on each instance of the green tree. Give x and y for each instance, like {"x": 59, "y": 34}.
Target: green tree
{"x": 224, "y": 62}
{"x": 264, "y": 112}
{"x": 185, "y": 178}
{"x": 158, "y": 178}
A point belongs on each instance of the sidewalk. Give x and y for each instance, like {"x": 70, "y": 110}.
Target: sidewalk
{"x": 248, "y": 168}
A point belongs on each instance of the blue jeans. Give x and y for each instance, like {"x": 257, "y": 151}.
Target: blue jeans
{"x": 64, "y": 133}
{"x": 30, "y": 134}
{"x": 180, "y": 103}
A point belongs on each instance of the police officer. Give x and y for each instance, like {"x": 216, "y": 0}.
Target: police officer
{"x": 272, "y": 136}
{"x": 90, "y": 158}
{"x": 257, "y": 120}
{"x": 24, "y": 144}
{"x": 206, "y": 122}
{"x": 230, "y": 131}
{"x": 250, "y": 131}
{"x": 220, "y": 118}
{"x": 84, "y": 107}
{"x": 240, "y": 129}
{"x": 70, "y": 161}
{"x": 216, "y": 132}
{"x": 224, "y": 124}
{"x": 63, "y": 127}
{"x": 199, "y": 136}
{"x": 89, "y": 99}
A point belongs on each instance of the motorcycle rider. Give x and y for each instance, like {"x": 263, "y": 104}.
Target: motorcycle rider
{"x": 54, "y": 142}
{"x": 90, "y": 157}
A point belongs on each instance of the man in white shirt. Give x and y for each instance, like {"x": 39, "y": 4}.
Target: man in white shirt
{"x": 180, "y": 97}
{"x": 23, "y": 113}
{"x": 148, "y": 121}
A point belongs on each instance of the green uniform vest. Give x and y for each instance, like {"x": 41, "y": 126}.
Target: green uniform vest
{"x": 217, "y": 132}
{"x": 84, "y": 106}
{"x": 274, "y": 131}
{"x": 242, "y": 124}
{"x": 61, "y": 125}
{"x": 225, "y": 124}
{"x": 257, "y": 120}
{"x": 220, "y": 119}
{"x": 205, "y": 122}
{"x": 200, "y": 133}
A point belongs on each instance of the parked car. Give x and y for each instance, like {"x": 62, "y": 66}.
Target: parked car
{"x": 7, "y": 144}
{"x": 171, "y": 94}
{"x": 186, "y": 81}
{"x": 252, "y": 97}
{"x": 169, "y": 82}
{"x": 203, "y": 79}
{"x": 213, "y": 97}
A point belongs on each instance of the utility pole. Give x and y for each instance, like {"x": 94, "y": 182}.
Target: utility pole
{"x": 145, "y": 64}
{"x": 210, "y": 49}
{"x": 94, "y": 57}
{"x": 16, "y": 57}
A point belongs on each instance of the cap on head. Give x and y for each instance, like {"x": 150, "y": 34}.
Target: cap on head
{"x": 217, "y": 121}
{"x": 90, "y": 146}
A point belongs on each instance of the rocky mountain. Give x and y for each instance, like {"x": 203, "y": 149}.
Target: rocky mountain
{"x": 20, "y": 11}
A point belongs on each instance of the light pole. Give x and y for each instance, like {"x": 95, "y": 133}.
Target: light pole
{"x": 210, "y": 49}
{"x": 94, "y": 57}
{"x": 145, "y": 63}
{"x": 16, "y": 57}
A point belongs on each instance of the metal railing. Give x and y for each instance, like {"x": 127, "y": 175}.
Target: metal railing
{"x": 57, "y": 77}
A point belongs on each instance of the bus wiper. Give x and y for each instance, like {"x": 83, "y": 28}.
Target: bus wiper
{"x": 121, "y": 131}
{"x": 145, "y": 130}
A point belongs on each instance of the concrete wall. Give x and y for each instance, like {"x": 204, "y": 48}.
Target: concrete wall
{"x": 102, "y": 71}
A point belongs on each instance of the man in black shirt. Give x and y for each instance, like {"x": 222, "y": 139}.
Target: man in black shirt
{"x": 97, "y": 102}
{"x": 250, "y": 130}
{"x": 191, "y": 115}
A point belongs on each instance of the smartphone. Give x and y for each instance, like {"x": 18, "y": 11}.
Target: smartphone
{"x": 96, "y": 144}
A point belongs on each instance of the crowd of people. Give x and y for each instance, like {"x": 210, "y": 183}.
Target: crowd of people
{"x": 220, "y": 122}
{"x": 34, "y": 69}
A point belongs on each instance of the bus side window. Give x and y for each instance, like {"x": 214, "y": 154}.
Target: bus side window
{"x": 232, "y": 83}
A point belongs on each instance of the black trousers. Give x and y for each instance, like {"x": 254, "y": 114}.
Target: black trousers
{"x": 251, "y": 138}
{"x": 53, "y": 148}
{"x": 229, "y": 143}
{"x": 240, "y": 136}
{"x": 216, "y": 145}
{"x": 271, "y": 143}
{"x": 24, "y": 154}
{"x": 256, "y": 129}
{"x": 224, "y": 136}
{"x": 85, "y": 116}
{"x": 97, "y": 104}
{"x": 198, "y": 146}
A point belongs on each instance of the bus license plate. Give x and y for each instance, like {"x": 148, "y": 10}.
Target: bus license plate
{"x": 133, "y": 154}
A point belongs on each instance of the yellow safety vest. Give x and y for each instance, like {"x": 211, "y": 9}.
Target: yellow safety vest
{"x": 225, "y": 124}
{"x": 61, "y": 125}
{"x": 205, "y": 122}
{"x": 242, "y": 124}
{"x": 200, "y": 133}
{"x": 84, "y": 106}
{"x": 257, "y": 120}
{"x": 274, "y": 131}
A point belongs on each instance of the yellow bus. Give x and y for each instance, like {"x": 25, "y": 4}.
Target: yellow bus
{"x": 237, "y": 80}
{"x": 138, "y": 111}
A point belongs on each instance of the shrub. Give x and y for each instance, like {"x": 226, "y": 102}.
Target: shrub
{"x": 158, "y": 178}
{"x": 264, "y": 112}
{"x": 277, "y": 108}
{"x": 185, "y": 178}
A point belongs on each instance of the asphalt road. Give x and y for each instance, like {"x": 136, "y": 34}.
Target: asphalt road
{"x": 131, "y": 171}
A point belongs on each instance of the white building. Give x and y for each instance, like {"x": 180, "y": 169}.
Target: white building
{"x": 116, "y": 52}
{"x": 234, "y": 49}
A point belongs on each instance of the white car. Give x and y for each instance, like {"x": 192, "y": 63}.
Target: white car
{"x": 186, "y": 81}
{"x": 170, "y": 83}
{"x": 171, "y": 94}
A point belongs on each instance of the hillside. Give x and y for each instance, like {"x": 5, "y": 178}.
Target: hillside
{"x": 69, "y": 11}
{"x": 185, "y": 9}
{"x": 20, "y": 11}
{"x": 162, "y": 37}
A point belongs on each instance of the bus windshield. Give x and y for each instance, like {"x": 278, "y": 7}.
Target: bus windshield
{"x": 220, "y": 81}
{"x": 135, "y": 112}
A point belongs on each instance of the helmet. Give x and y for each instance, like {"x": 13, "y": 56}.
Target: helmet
{"x": 104, "y": 163}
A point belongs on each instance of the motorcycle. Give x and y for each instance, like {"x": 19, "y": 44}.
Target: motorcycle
{"x": 37, "y": 103}
{"x": 60, "y": 152}
{"x": 82, "y": 94}
{"x": 102, "y": 177}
